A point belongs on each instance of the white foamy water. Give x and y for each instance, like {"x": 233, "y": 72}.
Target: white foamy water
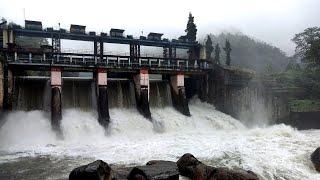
{"x": 276, "y": 152}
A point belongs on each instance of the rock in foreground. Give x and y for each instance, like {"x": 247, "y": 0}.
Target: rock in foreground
{"x": 315, "y": 158}
{"x": 190, "y": 166}
{"x": 97, "y": 170}
{"x": 155, "y": 170}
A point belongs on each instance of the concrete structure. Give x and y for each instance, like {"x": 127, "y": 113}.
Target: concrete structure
{"x": 1, "y": 85}
{"x": 233, "y": 91}
{"x": 117, "y": 32}
{"x": 8, "y": 38}
{"x": 56, "y": 114}
{"x": 77, "y": 29}
{"x": 142, "y": 91}
{"x": 102, "y": 97}
{"x": 183, "y": 39}
{"x": 178, "y": 93}
{"x": 50, "y": 58}
{"x": 33, "y": 25}
{"x": 154, "y": 36}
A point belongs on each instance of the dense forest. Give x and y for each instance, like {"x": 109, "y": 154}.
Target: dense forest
{"x": 252, "y": 54}
{"x": 305, "y": 75}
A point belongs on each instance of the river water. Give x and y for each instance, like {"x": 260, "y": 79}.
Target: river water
{"x": 30, "y": 150}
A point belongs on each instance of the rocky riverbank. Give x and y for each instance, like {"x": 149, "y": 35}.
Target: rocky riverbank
{"x": 187, "y": 166}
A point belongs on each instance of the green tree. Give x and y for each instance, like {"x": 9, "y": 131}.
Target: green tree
{"x": 209, "y": 48}
{"x": 191, "y": 29}
{"x": 252, "y": 53}
{"x": 3, "y": 21}
{"x": 308, "y": 45}
{"x": 217, "y": 54}
{"x": 227, "y": 49}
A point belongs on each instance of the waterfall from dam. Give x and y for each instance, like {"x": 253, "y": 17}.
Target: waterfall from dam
{"x": 29, "y": 149}
{"x": 34, "y": 93}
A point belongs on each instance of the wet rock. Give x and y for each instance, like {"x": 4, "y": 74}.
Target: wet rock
{"x": 122, "y": 173}
{"x": 315, "y": 158}
{"x": 191, "y": 167}
{"x": 97, "y": 170}
{"x": 155, "y": 170}
{"x": 162, "y": 162}
{"x": 226, "y": 174}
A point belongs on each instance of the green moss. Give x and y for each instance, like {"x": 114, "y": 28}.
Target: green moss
{"x": 304, "y": 105}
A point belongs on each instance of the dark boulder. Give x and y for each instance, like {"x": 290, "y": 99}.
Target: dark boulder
{"x": 121, "y": 173}
{"x": 161, "y": 162}
{"x": 315, "y": 158}
{"x": 97, "y": 170}
{"x": 226, "y": 174}
{"x": 155, "y": 170}
{"x": 191, "y": 167}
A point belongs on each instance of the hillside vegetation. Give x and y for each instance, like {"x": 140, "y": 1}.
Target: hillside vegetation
{"x": 252, "y": 54}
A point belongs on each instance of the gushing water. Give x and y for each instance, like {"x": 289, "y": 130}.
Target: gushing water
{"x": 275, "y": 152}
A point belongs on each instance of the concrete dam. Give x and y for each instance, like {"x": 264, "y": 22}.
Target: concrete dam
{"x": 111, "y": 80}
{"x": 125, "y": 80}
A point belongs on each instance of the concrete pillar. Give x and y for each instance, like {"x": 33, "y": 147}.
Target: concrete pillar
{"x": 1, "y": 85}
{"x": 203, "y": 87}
{"x": 15, "y": 56}
{"x": 95, "y": 51}
{"x": 102, "y": 95}
{"x": 141, "y": 81}
{"x": 179, "y": 100}
{"x": 101, "y": 51}
{"x": 56, "y": 115}
{"x": 8, "y": 37}
{"x": 203, "y": 56}
{"x": 30, "y": 57}
{"x": 7, "y": 87}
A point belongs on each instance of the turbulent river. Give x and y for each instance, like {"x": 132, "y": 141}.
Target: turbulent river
{"x": 29, "y": 149}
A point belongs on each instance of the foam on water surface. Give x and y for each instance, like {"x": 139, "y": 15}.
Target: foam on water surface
{"x": 275, "y": 152}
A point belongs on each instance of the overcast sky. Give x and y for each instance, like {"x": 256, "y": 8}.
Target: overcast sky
{"x": 272, "y": 21}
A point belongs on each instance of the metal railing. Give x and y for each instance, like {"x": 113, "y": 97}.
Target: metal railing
{"x": 109, "y": 61}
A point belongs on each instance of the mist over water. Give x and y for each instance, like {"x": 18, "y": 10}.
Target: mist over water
{"x": 27, "y": 141}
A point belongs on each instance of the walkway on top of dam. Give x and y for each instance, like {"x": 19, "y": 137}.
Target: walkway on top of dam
{"x": 47, "y": 56}
{"x": 28, "y": 60}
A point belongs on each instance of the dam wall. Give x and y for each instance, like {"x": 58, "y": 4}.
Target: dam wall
{"x": 234, "y": 91}
{"x": 238, "y": 93}
{"x": 1, "y": 84}
{"x": 6, "y": 86}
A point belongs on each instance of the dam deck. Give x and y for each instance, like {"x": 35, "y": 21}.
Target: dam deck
{"x": 82, "y": 62}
